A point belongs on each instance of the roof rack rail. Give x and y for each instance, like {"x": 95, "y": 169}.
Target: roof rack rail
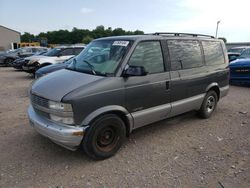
{"x": 184, "y": 34}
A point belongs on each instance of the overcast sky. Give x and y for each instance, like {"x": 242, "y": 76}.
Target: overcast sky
{"x": 195, "y": 16}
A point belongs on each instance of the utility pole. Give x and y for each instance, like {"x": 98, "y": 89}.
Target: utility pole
{"x": 217, "y": 27}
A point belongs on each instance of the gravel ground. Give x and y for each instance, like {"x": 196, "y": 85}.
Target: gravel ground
{"x": 181, "y": 152}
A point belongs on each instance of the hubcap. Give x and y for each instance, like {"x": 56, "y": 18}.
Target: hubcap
{"x": 210, "y": 104}
{"x": 107, "y": 139}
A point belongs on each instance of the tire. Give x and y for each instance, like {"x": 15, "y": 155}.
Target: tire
{"x": 104, "y": 137}
{"x": 208, "y": 105}
{"x": 8, "y": 61}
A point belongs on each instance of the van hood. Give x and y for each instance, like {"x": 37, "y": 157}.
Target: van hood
{"x": 55, "y": 86}
{"x": 35, "y": 57}
{"x": 240, "y": 62}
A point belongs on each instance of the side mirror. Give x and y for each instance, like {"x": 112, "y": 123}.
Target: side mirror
{"x": 134, "y": 71}
{"x": 232, "y": 58}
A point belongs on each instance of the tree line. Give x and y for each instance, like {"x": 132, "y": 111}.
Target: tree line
{"x": 76, "y": 35}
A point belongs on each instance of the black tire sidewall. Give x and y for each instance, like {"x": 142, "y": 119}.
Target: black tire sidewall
{"x": 203, "y": 111}
{"x": 8, "y": 61}
{"x": 89, "y": 141}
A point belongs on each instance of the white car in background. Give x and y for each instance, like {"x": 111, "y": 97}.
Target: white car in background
{"x": 55, "y": 55}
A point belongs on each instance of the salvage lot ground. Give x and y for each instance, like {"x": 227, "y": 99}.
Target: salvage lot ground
{"x": 181, "y": 152}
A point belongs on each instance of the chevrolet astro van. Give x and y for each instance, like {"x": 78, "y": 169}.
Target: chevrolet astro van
{"x": 118, "y": 84}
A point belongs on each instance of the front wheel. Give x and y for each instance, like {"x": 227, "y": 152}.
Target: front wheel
{"x": 209, "y": 104}
{"x": 104, "y": 137}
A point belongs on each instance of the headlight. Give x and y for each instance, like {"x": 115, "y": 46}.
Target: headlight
{"x": 64, "y": 120}
{"x": 64, "y": 112}
{"x": 60, "y": 106}
{"x": 32, "y": 61}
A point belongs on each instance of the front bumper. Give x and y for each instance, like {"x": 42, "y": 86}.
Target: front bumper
{"x": 39, "y": 75}
{"x": 240, "y": 80}
{"x": 29, "y": 68}
{"x": 69, "y": 137}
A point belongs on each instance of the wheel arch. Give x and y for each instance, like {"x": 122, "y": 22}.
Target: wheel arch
{"x": 215, "y": 87}
{"x": 112, "y": 109}
{"x": 45, "y": 64}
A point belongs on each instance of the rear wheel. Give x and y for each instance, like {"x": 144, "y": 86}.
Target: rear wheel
{"x": 104, "y": 137}
{"x": 8, "y": 61}
{"x": 209, "y": 104}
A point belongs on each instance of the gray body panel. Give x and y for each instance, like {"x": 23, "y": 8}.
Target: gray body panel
{"x": 55, "y": 86}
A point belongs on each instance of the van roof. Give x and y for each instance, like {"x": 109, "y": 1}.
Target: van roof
{"x": 160, "y": 36}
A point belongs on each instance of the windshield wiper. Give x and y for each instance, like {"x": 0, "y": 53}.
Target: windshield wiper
{"x": 90, "y": 66}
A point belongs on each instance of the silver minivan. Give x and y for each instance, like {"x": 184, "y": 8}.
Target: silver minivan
{"x": 118, "y": 84}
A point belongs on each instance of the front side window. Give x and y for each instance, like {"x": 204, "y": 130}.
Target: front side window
{"x": 184, "y": 54}
{"x": 53, "y": 52}
{"x": 149, "y": 55}
{"x": 100, "y": 57}
{"x": 213, "y": 52}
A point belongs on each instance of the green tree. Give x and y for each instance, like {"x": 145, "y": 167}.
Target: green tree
{"x": 87, "y": 39}
{"x": 27, "y": 37}
{"x": 76, "y": 35}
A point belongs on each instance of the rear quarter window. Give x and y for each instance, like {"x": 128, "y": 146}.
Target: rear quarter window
{"x": 213, "y": 52}
{"x": 77, "y": 50}
{"x": 68, "y": 51}
{"x": 185, "y": 54}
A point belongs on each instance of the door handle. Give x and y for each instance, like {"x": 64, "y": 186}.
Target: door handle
{"x": 167, "y": 85}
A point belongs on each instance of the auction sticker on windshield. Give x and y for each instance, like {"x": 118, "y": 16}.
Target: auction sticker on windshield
{"x": 120, "y": 43}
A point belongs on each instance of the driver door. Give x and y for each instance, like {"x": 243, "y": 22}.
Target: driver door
{"x": 147, "y": 97}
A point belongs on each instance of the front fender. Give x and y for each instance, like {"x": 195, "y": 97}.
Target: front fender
{"x": 107, "y": 109}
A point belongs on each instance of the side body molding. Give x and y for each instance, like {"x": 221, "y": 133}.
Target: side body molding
{"x": 106, "y": 109}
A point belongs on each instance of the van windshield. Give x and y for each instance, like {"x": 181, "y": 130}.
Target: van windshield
{"x": 100, "y": 57}
{"x": 245, "y": 54}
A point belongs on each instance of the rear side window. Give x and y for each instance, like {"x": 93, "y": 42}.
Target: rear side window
{"x": 149, "y": 55}
{"x": 77, "y": 51}
{"x": 185, "y": 54}
{"x": 213, "y": 52}
{"x": 68, "y": 51}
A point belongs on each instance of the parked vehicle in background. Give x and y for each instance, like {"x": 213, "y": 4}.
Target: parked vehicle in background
{"x": 56, "y": 55}
{"x": 232, "y": 56}
{"x": 240, "y": 69}
{"x": 238, "y": 49}
{"x": 118, "y": 84}
{"x": 52, "y": 68}
{"x": 8, "y": 57}
{"x": 18, "y": 63}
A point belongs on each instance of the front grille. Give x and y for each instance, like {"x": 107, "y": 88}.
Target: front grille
{"x": 40, "y": 101}
{"x": 26, "y": 62}
{"x": 41, "y": 113}
{"x": 241, "y": 70}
